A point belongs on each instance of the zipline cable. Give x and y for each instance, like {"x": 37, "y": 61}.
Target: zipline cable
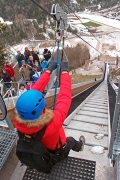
{"x": 53, "y": 18}
{"x": 80, "y": 20}
{"x": 57, "y": 73}
{"x": 42, "y": 8}
{"x": 87, "y": 42}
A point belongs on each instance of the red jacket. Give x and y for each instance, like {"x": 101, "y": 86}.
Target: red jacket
{"x": 9, "y": 70}
{"x": 54, "y": 128}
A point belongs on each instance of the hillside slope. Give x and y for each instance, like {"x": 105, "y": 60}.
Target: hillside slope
{"x": 18, "y": 11}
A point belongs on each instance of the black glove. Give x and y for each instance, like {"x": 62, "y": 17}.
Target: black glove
{"x": 64, "y": 66}
{"x": 52, "y": 66}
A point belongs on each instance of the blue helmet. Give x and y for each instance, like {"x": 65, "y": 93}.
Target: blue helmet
{"x": 30, "y": 105}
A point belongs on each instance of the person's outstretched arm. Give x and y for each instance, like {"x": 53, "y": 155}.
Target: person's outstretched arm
{"x": 63, "y": 100}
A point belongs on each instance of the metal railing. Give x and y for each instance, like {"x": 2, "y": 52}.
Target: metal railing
{"x": 114, "y": 149}
{"x": 117, "y": 168}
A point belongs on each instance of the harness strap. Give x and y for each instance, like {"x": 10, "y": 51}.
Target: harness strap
{"x": 37, "y": 136}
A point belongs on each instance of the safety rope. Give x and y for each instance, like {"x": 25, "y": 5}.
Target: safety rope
{"x": 57, "y": 73}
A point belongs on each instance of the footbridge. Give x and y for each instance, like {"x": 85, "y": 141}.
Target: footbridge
{"x": 94, "y": 113}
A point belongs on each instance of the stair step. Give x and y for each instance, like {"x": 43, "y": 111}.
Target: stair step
{"x": 90, "y": 119}
{"x": 82, "y": 126}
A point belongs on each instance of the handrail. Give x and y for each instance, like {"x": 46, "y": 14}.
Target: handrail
{"x": 115, "y": 137}
{"x": 3, "y": 108}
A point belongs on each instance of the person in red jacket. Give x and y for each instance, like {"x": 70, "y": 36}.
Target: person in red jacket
{"x": 32, "y": 115}
{"x": 9, "y": 69}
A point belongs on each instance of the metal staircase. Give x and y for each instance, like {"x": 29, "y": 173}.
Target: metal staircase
{"x": 91, "y": 119}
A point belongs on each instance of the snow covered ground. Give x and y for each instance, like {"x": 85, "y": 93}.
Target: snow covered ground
{"x": 107, "y": 43}
{"x": 101, "y": 19}
{"x": 5, "y": 22}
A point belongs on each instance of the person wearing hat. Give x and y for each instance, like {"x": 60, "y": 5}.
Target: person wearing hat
{"x": 34, "y": 115}
{"x": 47, "y": 54}
{"x": 25, "y": 70}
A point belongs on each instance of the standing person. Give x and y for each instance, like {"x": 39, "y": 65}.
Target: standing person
{"x": 38, "y": 66}
{"x": 32, "y": 52}
{"x": 22, "y": 89}
{"x": 47, "y": 54}
{"x": 44, "y": 65}
{"x": 34, "y": 116}
{"x": 19, "y": 58}
{"x": 6, "y": 78}
{"x": 35, "y": 56}
{"x": 29, "y": 84}
{"x": 25, "y": 70}
{"x": 30, "y": 61}
{"x": 34, "y": 74}
{"x": 27, "y": 53}
{"x": 9, "y": 69}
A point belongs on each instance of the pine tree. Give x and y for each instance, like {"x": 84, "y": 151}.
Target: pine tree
{"x": 3, "y": 53}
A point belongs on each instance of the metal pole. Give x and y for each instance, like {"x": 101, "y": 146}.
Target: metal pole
{"x": 7, "y": 117}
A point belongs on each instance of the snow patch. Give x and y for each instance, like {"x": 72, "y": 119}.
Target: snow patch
{"x": 5, "y": 22}
{"x": 97, "y": 150}
{"x": 99, "y": 136}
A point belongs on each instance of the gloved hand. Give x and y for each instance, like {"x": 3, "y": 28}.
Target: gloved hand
{"x": 64, "y": 66}
{"x": 52, "y": 66}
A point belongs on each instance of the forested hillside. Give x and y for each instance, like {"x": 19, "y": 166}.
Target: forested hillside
{"x": 19, "y": 10}
{"x": 14, "y": 10}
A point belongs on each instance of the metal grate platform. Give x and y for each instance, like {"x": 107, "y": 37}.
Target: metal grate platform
{"x": 69, "y": 169}
{"x": 3, "y": 123}
{"x": 7, "y": 140}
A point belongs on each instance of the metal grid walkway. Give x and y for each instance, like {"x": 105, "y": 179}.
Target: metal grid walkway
{"x": 69, "y": 169}
{"x": 7, "y": 141}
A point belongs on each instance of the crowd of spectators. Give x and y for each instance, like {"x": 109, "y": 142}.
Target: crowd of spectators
{"x": 30, "y": 69}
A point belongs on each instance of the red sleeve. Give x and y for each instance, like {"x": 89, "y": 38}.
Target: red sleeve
{"x": 42, "y": 82}
{"x": 63, "y": 102}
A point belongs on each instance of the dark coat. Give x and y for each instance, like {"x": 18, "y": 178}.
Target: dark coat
{"x": 35, "y": 57}
{"x": 27, "y": 54}
{"x": 19, "y": 59}
{"x": 6, "y": 78}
